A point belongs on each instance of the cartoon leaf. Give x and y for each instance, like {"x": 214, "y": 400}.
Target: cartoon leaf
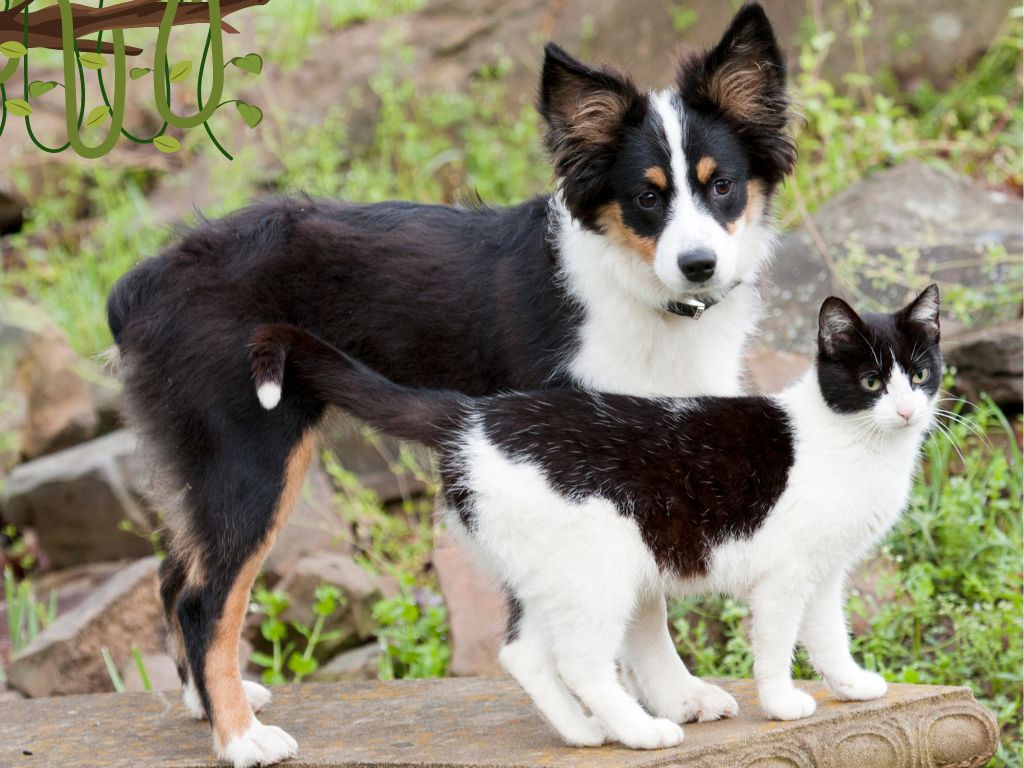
{"x": 18, "y": 107}
{"x": 38, "y": 87}
{"x": 251, "y": 62}
{"x": 93, "y": 60}
{"x": 252, "y": 116}
{"x": 167, "y": 144}
{"x": 98, "y": 116}
{"x": 13, "y": 49}
{"x": 180, "y": 71}
{"x": 137, "y": 72}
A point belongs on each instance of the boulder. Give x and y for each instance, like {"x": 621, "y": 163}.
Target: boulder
{"x": 988, "y": 360}
{"x": 66, "y": 657}
{"x": 912, "y": 221}
{"x": 76, "y": 500}
{"x": 477, "y": 610}
{"x": 12, "y": 207}
{"x": 771, "y": 370}
{"x": 356, "y": 664}
{"x": 160, "y": 670}
{"x": 361, "y": 590}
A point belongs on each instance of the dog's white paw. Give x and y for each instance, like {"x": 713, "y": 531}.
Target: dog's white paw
{"x": 259, "y": 745}
{"x": 587, "y": 733}
{"x": 257, "y": 695}
{"x": 190, "y": 698}
{"x": 787, "y": 703}
{"x": 655, "y": 733}
{"x": 857, "y": 685}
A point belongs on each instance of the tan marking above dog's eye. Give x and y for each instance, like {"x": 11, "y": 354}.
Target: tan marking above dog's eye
{"x": 657, "y": 177}
{"x": 705, "y": 168}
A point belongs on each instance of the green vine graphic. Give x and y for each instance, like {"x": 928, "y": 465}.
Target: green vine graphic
{"x": 63, "y": 27}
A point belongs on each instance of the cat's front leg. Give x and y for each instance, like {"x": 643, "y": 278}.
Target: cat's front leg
{"x": 777, "y": 606}
{"x": 826, "y": 638}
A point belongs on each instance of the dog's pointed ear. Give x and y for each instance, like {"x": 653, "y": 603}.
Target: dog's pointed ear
{"x": 585, "y": 109}
{"x": 743, "y": 79}
{"x": 838, "y": 323}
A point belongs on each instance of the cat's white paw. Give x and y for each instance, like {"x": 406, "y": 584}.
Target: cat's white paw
{"x": 787, "y": 704}
{"x": 587, "y": 733}
{"x": 713, "y": 703}
{"x": 259, "y": 745}
{"x": 696, "y": 701}
{"x": 655, "y": 733}
{"x": 857, "y": 685}
{"x": 257, "y": 695}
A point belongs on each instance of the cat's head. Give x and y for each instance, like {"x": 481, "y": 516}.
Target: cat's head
{"x": 885, "y": 365}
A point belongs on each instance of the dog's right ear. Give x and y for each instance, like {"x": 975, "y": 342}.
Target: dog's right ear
{"x": 585, "y": 110}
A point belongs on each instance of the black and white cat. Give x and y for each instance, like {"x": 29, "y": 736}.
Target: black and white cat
{"x": 588, "y": 507}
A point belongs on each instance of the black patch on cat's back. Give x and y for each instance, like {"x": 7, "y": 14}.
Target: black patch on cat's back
{"x": 693, "y": 473}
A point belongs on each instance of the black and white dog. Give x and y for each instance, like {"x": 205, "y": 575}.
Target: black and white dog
{"x": 636, "y": 276}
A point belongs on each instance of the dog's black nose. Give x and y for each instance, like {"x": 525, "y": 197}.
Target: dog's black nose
{"x": 698, "y": 265}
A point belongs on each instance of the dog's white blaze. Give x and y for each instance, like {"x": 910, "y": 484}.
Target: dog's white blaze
{"x": 269, "y": 395}
{"x": 690, "y": 225}
{"x": 627, "y": 342}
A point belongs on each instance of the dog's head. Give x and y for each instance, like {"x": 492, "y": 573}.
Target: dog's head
{"x": 681, "y": 177}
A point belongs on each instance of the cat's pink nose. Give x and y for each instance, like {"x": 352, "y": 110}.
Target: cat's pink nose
{"x": 905, "y": 413}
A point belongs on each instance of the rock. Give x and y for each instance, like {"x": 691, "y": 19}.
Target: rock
{"x": 361, "y": 589}
{"x": 66, "y": 657}
{"x": 477, "y": 610}
{"x": 874, "y": 584}
{"x": 314, "y": 526}
{"x": 76, "y": 500}
{"x": 356, "y": 664}
{"x": 915, "y": 220}
{"x": 9, "y": 696}
{"x": 771, "y": 370}
{"x": 160, "y": 669}
{"x": 12, "y": 208}
{"x": 988, "y": 360}
{"x": 474, "y": 723}
{"x": 47, "y": 397}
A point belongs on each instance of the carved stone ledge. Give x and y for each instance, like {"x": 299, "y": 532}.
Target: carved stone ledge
{"x": 490, "y": 722}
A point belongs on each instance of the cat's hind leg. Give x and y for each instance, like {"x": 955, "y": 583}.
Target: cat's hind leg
{"x": 827, "y": 640}
{"x": 663, "y": 683}
{"x": 526, "y": 656}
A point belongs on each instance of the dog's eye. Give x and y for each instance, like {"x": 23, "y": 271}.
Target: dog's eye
{"x": 647, "y": 200}
{"x": 872, "y": 382}
{"x": 920, "y": 377}
{"x": 722, "y": 187}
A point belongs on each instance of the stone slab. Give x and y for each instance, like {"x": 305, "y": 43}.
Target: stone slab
{"x": 490, "y": 722}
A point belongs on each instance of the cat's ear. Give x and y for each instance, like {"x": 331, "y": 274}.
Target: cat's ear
{"x": 924, "y": 311}
{"x": 743, "y": 79}
{"x": 837, "y": 324}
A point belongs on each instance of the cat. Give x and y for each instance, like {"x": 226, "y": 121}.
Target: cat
{"x": 588, "y": 507}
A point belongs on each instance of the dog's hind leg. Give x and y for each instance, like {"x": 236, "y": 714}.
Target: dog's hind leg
{"x": 243, "y": 508}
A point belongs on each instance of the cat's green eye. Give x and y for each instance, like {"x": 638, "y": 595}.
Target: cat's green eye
{"x": 920, "y": 377}
{"x": 872, "y": 382}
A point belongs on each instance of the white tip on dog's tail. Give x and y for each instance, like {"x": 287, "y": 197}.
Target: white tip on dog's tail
{"x": 269, "y": 395}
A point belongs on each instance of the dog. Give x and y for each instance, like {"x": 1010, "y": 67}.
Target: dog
{"x": 637, "y": 275}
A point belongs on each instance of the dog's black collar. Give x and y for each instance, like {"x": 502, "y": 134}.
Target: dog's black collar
{"x": 697, "y": 305}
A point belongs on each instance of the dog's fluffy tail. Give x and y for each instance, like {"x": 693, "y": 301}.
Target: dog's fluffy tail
{"x": 287, "y": 361}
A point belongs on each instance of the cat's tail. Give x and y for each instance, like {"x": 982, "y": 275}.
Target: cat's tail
{"x": 289, "y": 362}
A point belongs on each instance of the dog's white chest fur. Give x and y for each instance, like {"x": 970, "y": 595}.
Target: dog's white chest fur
{"x": 628, "y": 343}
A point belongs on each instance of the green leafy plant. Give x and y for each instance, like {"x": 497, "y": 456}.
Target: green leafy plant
{"x": 413, "y": 635}
{"x": 328, "y": 599}
{"x": 26, "y": 616}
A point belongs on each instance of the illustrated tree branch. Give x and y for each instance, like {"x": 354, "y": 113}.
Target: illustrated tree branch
{"x": 44, "y": 25}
